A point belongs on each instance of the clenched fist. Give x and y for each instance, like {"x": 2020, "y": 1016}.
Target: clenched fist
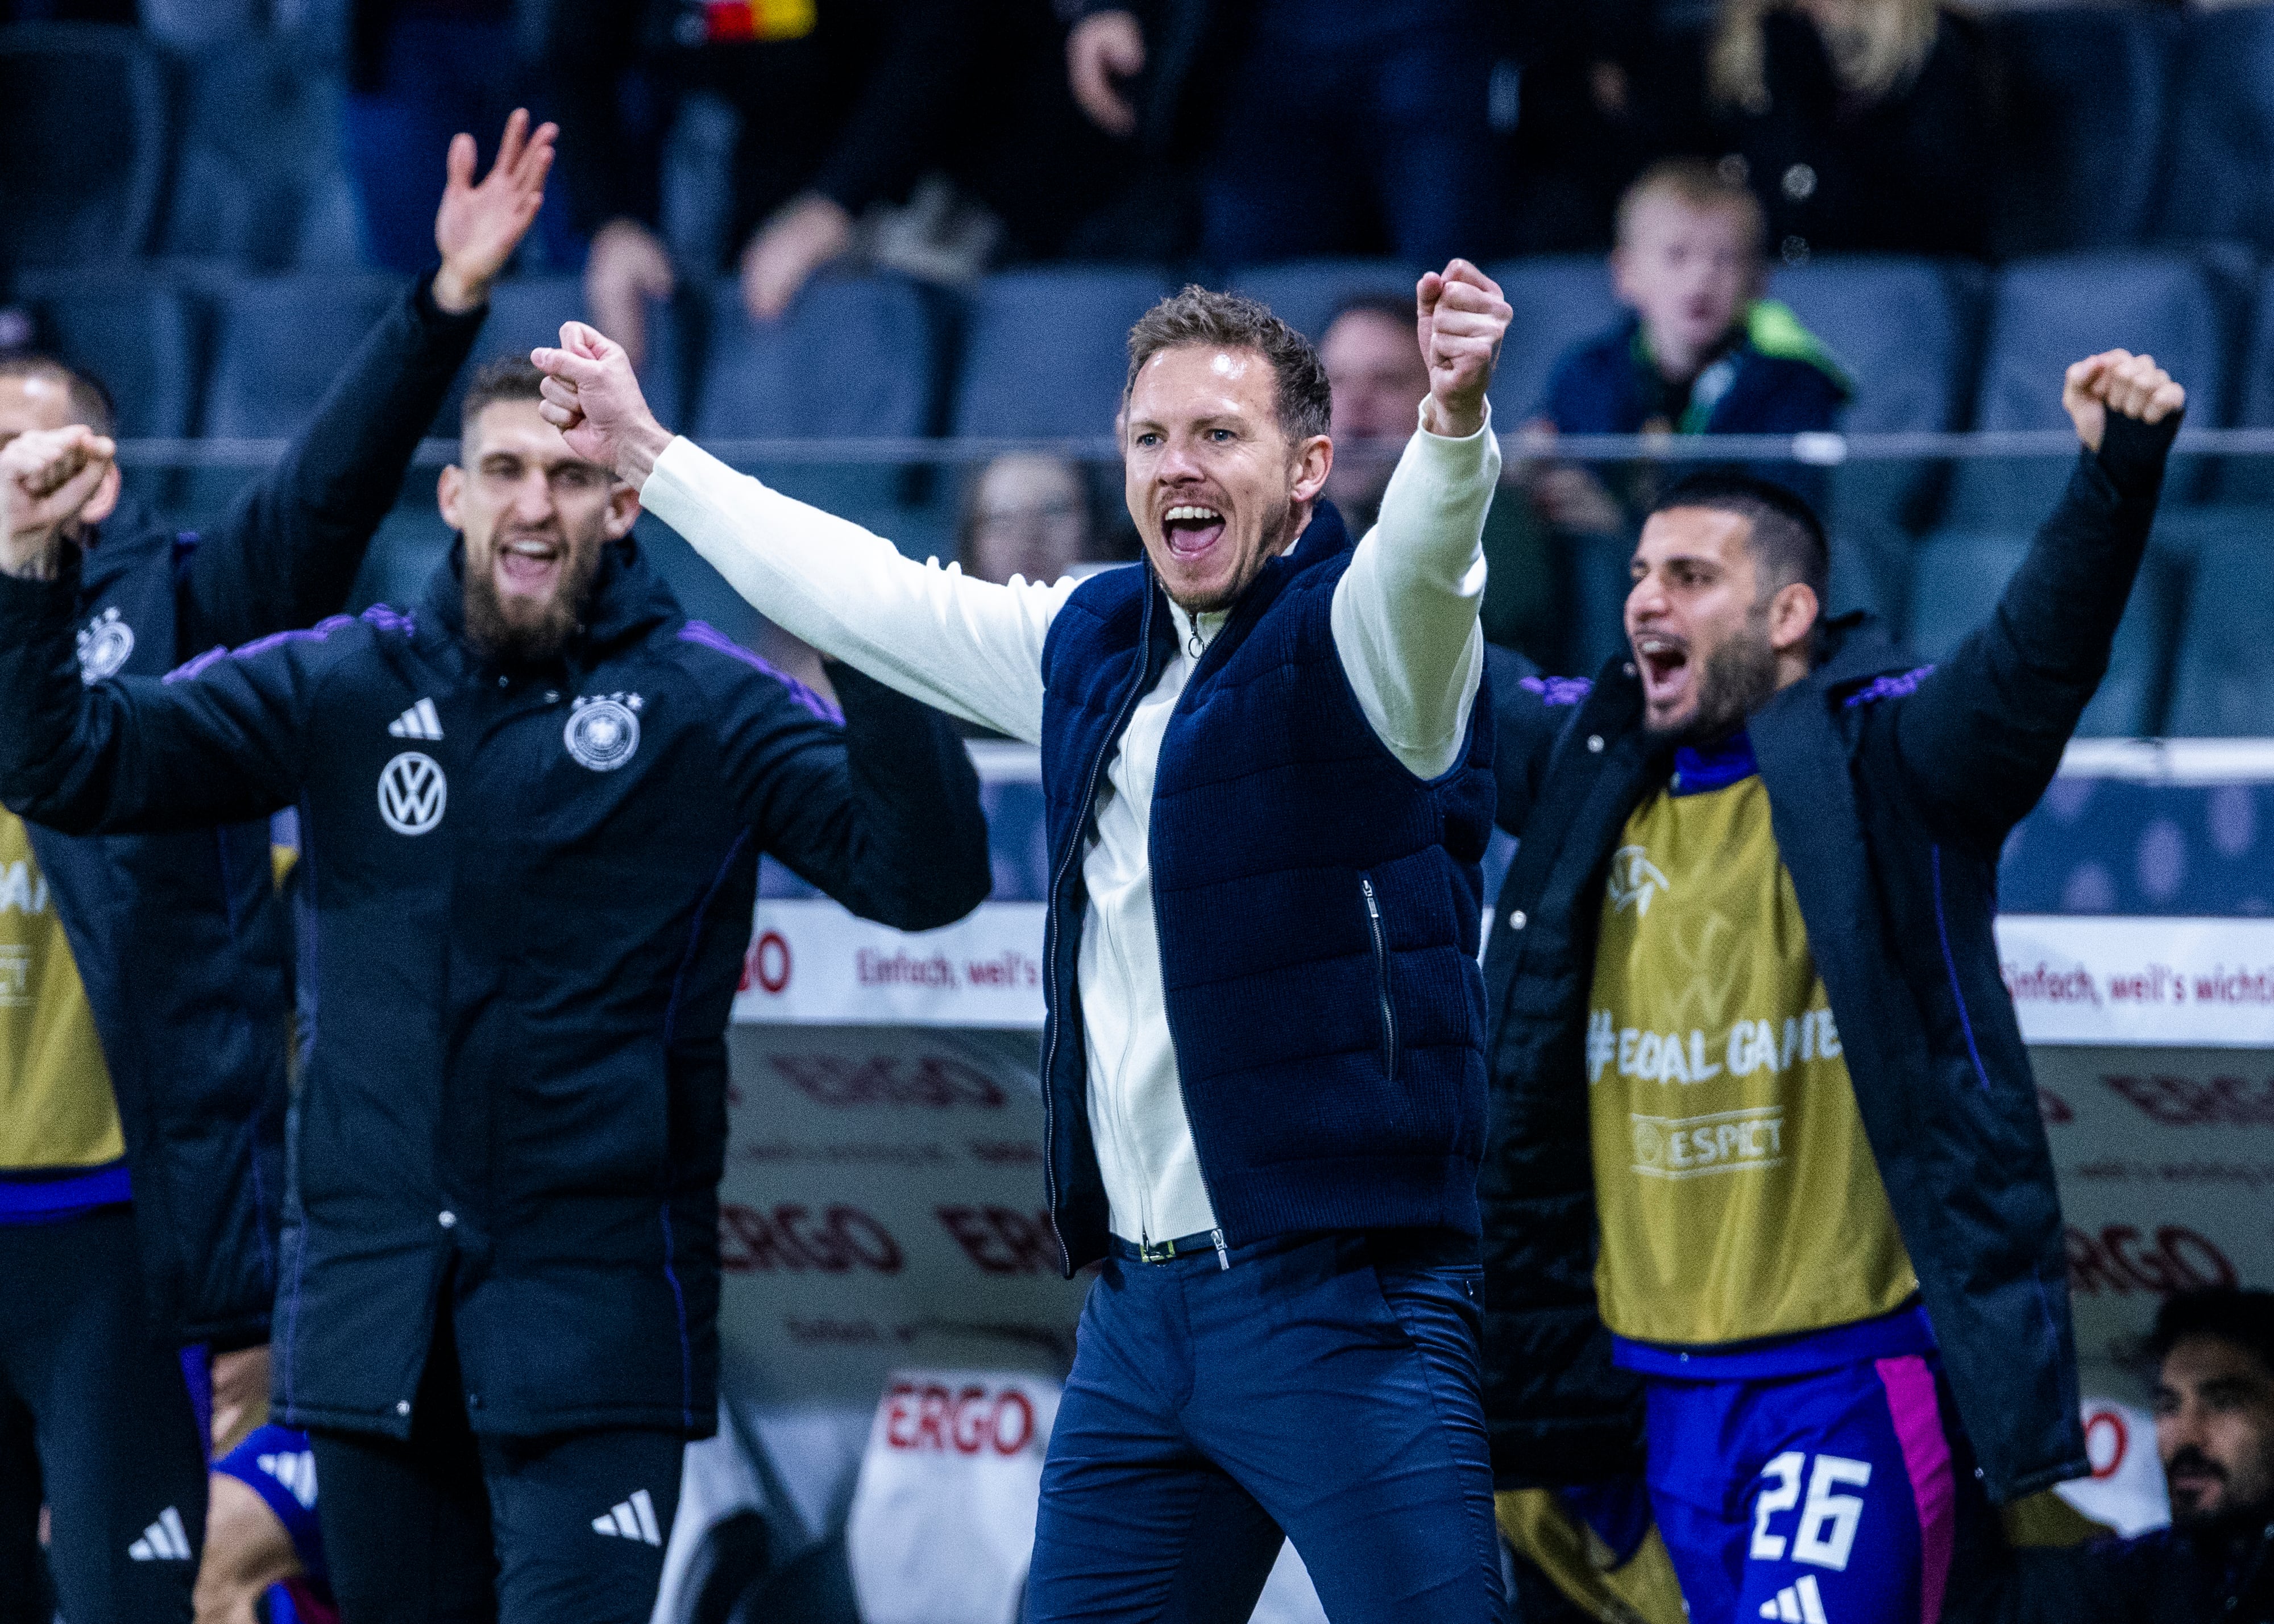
{"x": 2116, "y": 380}
{"x": 1461, "y": 319}
{"x": 48, "y": 479}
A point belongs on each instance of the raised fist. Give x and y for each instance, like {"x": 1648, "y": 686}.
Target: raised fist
{"x": 48, "y": 479}
{"x": 592, "y": 398}
{"x": 2116, "y": 380}
{"x": 1462, "y": 319}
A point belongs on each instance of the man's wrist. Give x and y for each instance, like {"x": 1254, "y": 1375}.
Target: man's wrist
{"x": 456, "y": 294}
{"x": 643, "y": 445}
{"x": 40, "y": 561}
{"x": 1452, "y": 421}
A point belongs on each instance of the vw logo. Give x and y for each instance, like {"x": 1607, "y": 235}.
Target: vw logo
{"x": 602, "y": 734}
{"x": 103, "y": 647}
{"x": 412, "y": 793}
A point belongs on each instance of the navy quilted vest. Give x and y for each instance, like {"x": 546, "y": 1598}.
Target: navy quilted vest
{"x": 1319, "y": 911}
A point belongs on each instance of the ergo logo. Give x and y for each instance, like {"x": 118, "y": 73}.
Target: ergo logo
{"x": 928, "y": 1417}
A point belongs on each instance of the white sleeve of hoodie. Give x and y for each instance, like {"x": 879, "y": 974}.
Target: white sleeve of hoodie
{"x": 1405, "y": 612}
{"x": 969, "y": 647}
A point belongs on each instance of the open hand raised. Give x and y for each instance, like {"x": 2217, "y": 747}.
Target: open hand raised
{"x": 478, "y": 227}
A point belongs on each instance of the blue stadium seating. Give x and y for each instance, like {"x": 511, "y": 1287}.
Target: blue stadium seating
{"x": 2218, "y": 181}
{"x": 527, "y": 312}
{"x": 278, "y": 342}
{"x": 1303, "y": 293}
{"x": 2223, "y": 683}
{"x": 1905, "y": 332}
{"x": 83, "y": 143}
{"x": 2251, "y": 480}
{"x": 854, "y": 357}
{"x": 132, "y": 329}
{"x": 1044, "y": 352}
{"x": 2085, "y": 94}
{"x": 1956, "y": 582}
{"x": 257, "y": 179}
{"x": 1559, "y": 300}
{"x": 2045, "y": 313}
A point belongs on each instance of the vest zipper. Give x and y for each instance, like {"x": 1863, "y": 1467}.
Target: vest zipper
{"x": 1050, "y": 955}
{"x": 1381, "y": 977}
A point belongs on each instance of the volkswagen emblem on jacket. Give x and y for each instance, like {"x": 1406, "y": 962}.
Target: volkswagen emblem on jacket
{"x": 103, "y": 647}
{"x": 603, "y": 733}
{"x": 412, "y": 793}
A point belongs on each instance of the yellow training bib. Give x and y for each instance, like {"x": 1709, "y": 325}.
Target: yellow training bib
{"x": 1737, "y": 1196}
{"x": 55, "y": 1105}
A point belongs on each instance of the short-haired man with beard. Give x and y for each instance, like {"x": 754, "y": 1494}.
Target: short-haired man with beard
{"x": 533, "y": 808}
{"x": 1762, "y": 1111}
{"x": 1267, "y": 795}
{"x": 2214, "y": 1352}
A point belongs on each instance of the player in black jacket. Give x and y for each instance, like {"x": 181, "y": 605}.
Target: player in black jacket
{"x": 534, "y": 806}
{"x": 144, "y": 993}
{"x": 2215, "y": 1432}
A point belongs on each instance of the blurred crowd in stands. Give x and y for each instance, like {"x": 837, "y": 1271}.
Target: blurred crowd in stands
{"x": 198, "y": 191}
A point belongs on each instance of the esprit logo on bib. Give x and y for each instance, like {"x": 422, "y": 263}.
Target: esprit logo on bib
{"x": 412, "y": 794}
{"x": 1635, "y": 879}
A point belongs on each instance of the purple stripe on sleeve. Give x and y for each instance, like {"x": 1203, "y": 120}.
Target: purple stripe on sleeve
{"x": 1889, "y": 687}
{"x": 1559, "y": 691}
{"x": 708, "y": 636}
{"x": 377, "y": 616}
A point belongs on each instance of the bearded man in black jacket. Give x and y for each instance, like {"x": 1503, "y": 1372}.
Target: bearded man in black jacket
{"x": 533, "y": 806}
{"x": 2215, "y": 1431}
{"x": 1769, "y": 1212}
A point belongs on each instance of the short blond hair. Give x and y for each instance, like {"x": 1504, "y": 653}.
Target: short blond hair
{"x": 1695, "y": 185}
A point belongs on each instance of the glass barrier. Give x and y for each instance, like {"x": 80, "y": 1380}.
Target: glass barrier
{"x": 1925, "y": 529}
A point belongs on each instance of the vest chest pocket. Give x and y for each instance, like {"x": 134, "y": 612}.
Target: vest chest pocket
{"x": 1380, "y": 940}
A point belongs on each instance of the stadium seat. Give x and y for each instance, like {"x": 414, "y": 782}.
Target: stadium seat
{"x": 1303, "y": 293}
{"x": 133, "y": 330}
{"x": 278, "y": 342}
{"x": 2045, "y": 313}
{"x": 2086, "y": 101}
{"x": 1044, "y": 352}
{"x": 1958, "y": 578}
{"x": 2223, "y": 686}
{"x": 1905, "y": 331}
{"x": 526, "y": 311}
{"x": 83, "y": 143}
{"x": 258, "y": 181}
{"x": 2218, "y": 182}
{"x": 2251, "y": 480}
{"x": 1559, "y": 300}
{"x": 856, "y": 357}
{"x": 410, "y": 543}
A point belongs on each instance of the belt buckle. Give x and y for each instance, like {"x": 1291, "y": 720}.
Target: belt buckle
{"x": 1162, "y": 1251}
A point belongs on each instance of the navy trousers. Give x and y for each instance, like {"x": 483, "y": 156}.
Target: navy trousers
{"x": 1327, "y": 1387}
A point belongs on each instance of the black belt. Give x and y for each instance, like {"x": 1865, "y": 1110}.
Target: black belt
{"x": 1183, "y": 1246}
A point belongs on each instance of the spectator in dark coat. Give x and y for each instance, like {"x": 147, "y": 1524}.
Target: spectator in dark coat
{"x": 1310, "y": 127}
{"x": 841, "y": 104}
{"x": 2215, "y": 1431}
{"x": 1865, "y": 125}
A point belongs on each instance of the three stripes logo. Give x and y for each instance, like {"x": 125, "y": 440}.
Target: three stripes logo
{"x": 631, "y": 1519}
{"x": 418, "y": 722}
{"x": 296, "y": 1471}
{"x": 165, "y": 1540}
{"x": 1798, "y": 1603}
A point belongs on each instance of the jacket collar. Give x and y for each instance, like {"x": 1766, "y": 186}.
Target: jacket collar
{"x": 628, "y": 601}
{"x": 130, "y": 539}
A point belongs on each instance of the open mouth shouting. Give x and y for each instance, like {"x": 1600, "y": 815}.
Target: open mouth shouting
{"x": 529, "y": 565}
{"x": 1191, "y": 529}
{"x": 1665, "y": 664}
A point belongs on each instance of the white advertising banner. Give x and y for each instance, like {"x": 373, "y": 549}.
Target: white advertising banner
{"x": 810, "y": 962}
{"x": 2155, "y": 980}
{"x": 882, "y": 1206}
{"x": 942, "y": 1526}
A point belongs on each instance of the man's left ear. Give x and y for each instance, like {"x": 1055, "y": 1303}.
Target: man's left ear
{"x": 1313, "y": 462}
{"x": 1793, "y": 614}
{"x": 623, "y": 511}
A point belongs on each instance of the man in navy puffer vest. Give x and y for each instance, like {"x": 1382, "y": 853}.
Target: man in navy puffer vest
{"x": 1263, "y": 1066}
